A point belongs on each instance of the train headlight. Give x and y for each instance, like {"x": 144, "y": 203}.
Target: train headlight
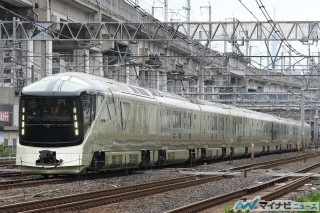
{"x": 75, "y": 124}
{"x": 74, "y": 110}
{"x": 22, "y": 121}
{"x": 76, "y": 132}
{"x": 75, "y": 117}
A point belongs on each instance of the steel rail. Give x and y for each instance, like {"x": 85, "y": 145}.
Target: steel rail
{"x": 208, "y": 203}
{"x": 91, "y": 199}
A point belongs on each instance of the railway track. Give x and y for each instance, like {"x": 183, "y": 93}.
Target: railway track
{"x": 7, "y": 163}
{"x": 98, "y": 198}
{"x": 269, "y": 164}
{"x": 205, "y": 204}
{"x": 104, "y": 197}
{"x": 88, "y": 200}
{"x": 10, "y": 174}
{"x": 40, "y": 181}
{"x": 32, "y": 182}
{"x": 11, "y": 184}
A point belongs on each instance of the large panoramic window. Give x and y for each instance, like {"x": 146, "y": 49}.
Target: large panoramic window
{"x": 49, "y": 121}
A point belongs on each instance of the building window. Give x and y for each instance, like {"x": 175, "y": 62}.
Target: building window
{"x": 6, "y": 71}
{"x": 7, "y": 60}
{"x": 7, "y": 80}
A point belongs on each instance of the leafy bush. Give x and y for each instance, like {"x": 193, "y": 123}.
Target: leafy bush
{"x": 314, "y": 197}
{"x": 6, "y": 153}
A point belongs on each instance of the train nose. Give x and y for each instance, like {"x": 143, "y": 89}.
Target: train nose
{"x": 48, "y": 157}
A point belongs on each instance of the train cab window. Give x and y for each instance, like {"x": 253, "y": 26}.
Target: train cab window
{"x": 49, "y": 121}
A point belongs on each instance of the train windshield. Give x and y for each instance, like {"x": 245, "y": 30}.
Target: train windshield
{"x": 48, "y": 121}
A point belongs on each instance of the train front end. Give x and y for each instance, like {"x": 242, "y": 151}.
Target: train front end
{"x": 51, "y": 136}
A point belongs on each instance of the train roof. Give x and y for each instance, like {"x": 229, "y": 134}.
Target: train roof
{"x": 62, "y": 84}
{"x": 72, "y": 83}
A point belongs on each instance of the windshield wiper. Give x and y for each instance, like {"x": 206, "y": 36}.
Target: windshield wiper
{"x": 58, "y": 124}
{"x": 42, "y": 124}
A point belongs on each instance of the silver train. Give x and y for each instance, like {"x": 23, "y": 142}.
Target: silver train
{"x": 71, "y": 123}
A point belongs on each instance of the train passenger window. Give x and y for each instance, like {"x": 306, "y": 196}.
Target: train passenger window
{"x": 99, "y": 101}
{"x": 125, "y": 108}
{"x": 176, "y": 122}
{"x": 111, "y": 106}
{"x": 105, "y": 114}
{"x": 86, "y": 108}
{"x": 214, "y": 123}
{"x": 93, "y": 108}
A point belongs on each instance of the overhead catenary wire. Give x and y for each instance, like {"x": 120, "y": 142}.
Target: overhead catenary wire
{"x": 280, "y": 37}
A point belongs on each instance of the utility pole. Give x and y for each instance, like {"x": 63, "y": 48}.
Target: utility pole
{"x": 302, "y": 118}
{"x": 143, "y": 66}
{"x": 188, "y": 9}
{"x": 316, "y": 117}
{"x": 210, "y": 27}
{"x": 14, "y": 53}
{"x": 200, "y": 73}
{"x": 153, "y": 7}
{"x": 316, "y": 120}
{"x": 165, "y": 10}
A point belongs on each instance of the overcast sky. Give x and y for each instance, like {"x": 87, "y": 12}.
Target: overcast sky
{"x": 284, "y": 10}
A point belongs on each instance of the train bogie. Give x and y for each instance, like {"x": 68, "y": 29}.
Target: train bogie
{"x": 175, "y": 156}
{"x": 121, "y": 160}
{"x": 213, "y": 153}
{"x": 242, "y": 151}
